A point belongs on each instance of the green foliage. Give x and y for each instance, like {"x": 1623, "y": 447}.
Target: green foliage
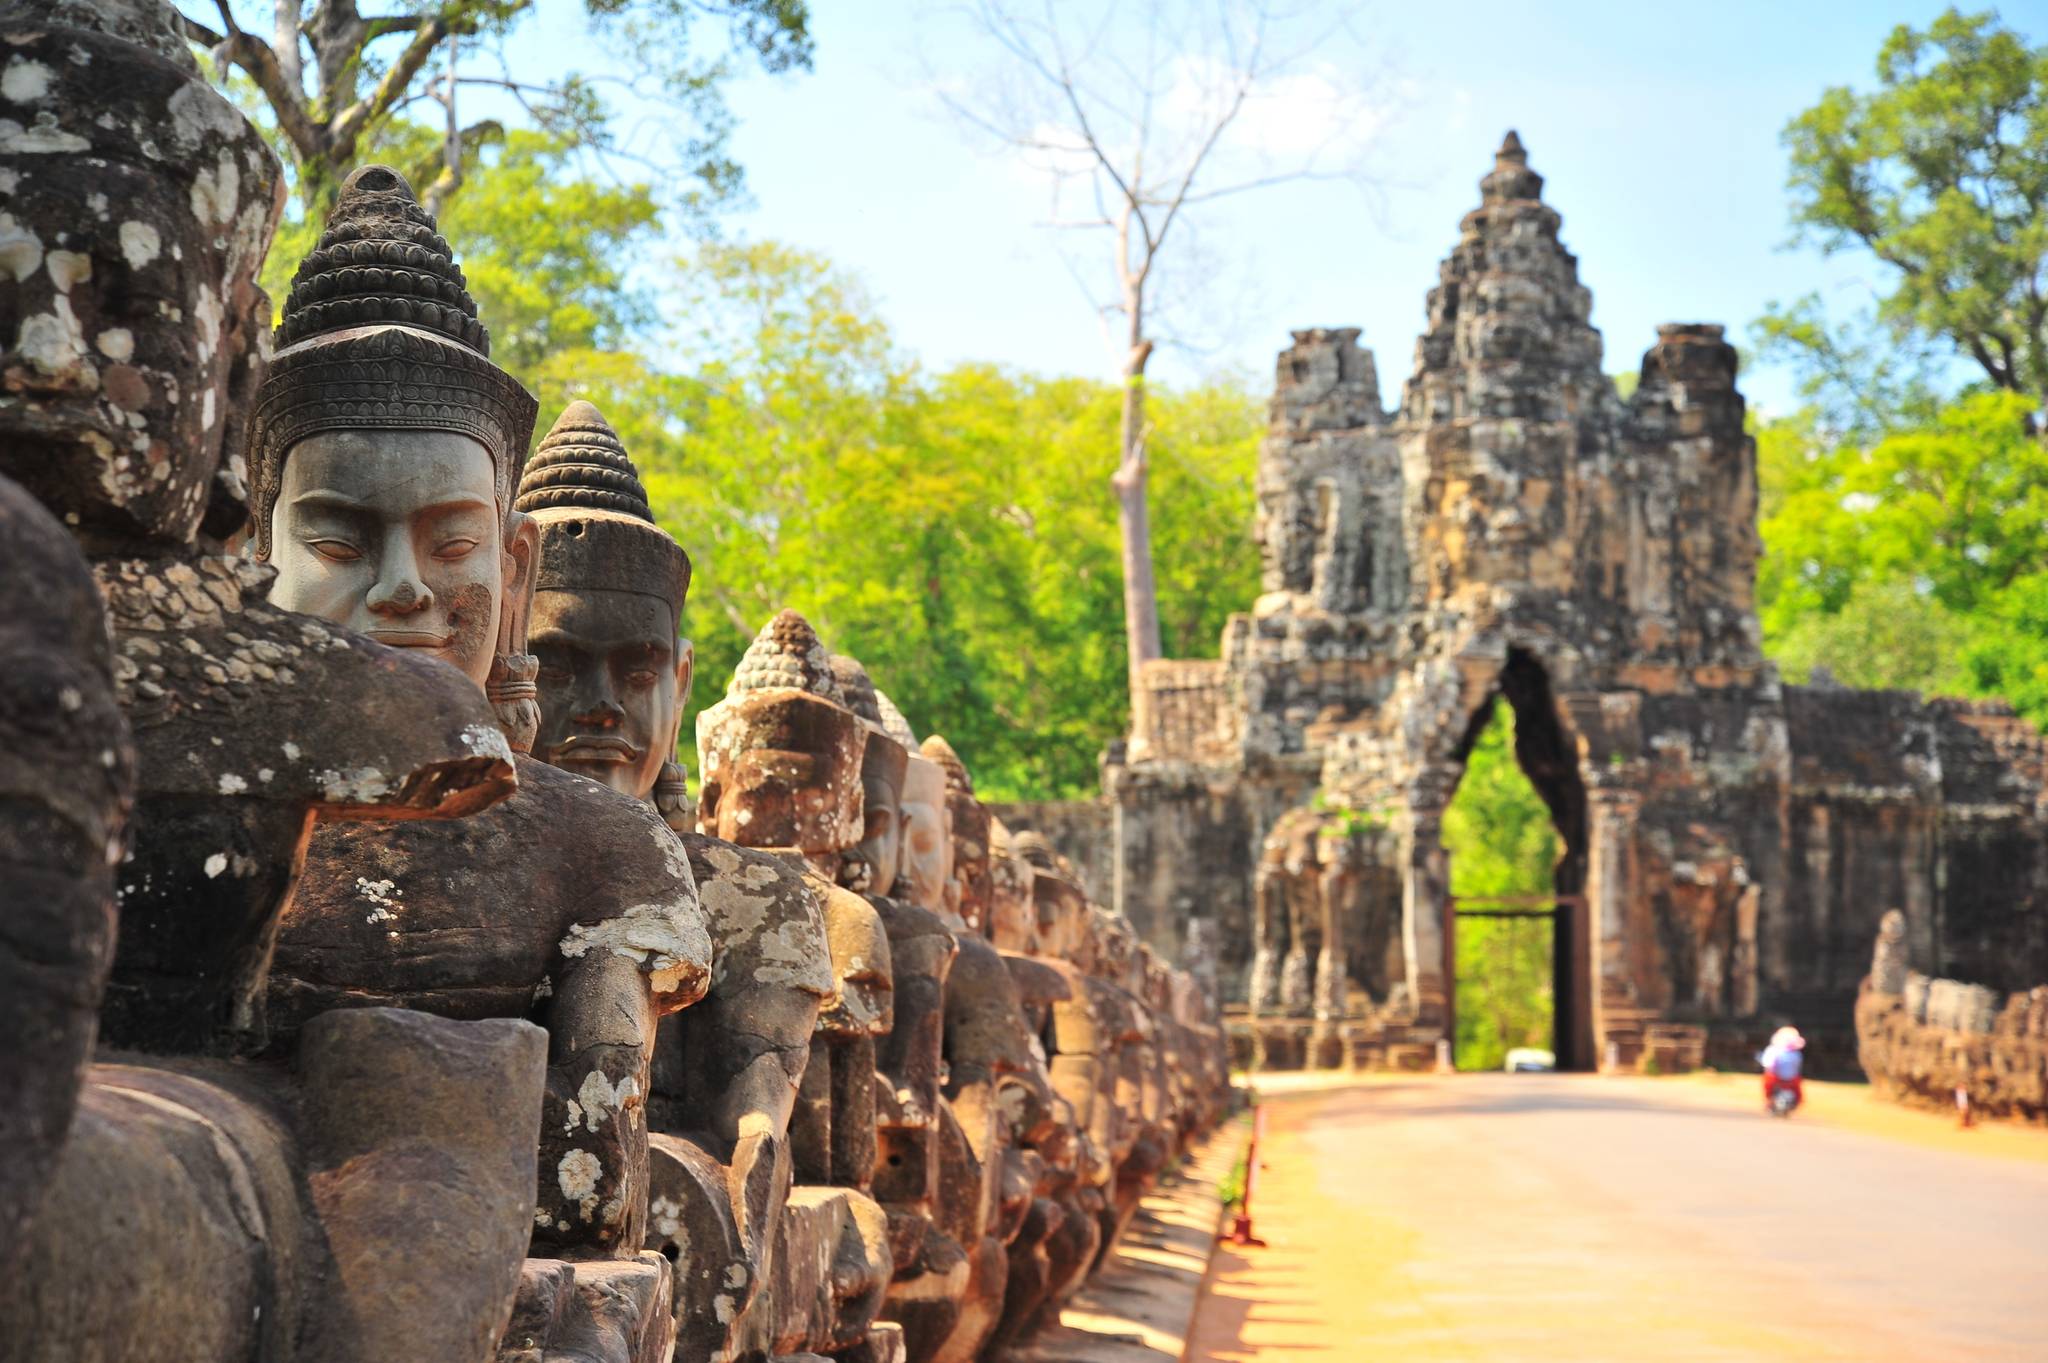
{"x": 1501, "y": 842}
{"x": 1941, "y": 174}
{"x": 1230, "y": 1192}
{"x": 953, "y": 531}
{"x": 345, "y": 83}
{"x": 1914, "y": 562}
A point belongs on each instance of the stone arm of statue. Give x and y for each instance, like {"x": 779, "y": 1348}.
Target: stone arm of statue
{"x": 773, "y": 975}
{"x": 593, "y": 1139}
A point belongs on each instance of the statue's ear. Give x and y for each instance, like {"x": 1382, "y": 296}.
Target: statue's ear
{"x": 686, "y": 675}
{"x": 522, "y": 557}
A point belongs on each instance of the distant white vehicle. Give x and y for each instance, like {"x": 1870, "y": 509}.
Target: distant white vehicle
{"x": 1529, "y": 1060}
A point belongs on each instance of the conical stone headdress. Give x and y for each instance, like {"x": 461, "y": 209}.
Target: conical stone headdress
{"x": 940, "y": 751}
{"x": 380, "y": 333}
{"x": 596, "y": 528}
{"x": 787, "y": 655}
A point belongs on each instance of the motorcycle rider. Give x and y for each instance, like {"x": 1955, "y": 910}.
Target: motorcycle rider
{"x": 1783, "y": 1060}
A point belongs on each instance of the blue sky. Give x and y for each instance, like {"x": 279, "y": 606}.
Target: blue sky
{"x": 1655, "y": 126}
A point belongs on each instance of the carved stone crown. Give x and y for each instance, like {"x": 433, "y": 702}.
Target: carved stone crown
{"x": 581, "y": 462}
{"x": 596, "y": 528}
{"x": 893, "y": 722}
{"x": 380, "y": 260}
{"x": 941, "y": 752}
{"x": 786, "y": 654}
{"x": 858, "y": 689}
{"x": 380, "y": 333}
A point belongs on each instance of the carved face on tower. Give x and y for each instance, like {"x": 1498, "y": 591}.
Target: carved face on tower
{"x": 386, "y": 444}
{"x": 607, "y": 598}
{"x": 137, "y": 207}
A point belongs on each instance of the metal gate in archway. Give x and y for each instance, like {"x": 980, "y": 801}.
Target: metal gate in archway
{"x": 1571, "y": 966}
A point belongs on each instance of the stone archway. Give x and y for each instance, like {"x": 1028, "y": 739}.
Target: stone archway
{"x": 1548, "y": 755}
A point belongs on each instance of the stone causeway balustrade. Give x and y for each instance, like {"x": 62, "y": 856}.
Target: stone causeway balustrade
{"x": 370, "y": 986}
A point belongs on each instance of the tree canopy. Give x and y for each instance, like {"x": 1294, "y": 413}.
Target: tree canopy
{"x": 331, "y": 80}
{"x": 1940, "y": 174}
{"x": 1500, "y": 842}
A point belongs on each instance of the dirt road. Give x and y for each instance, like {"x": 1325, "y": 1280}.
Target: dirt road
{"x": 1539, "y": 1217}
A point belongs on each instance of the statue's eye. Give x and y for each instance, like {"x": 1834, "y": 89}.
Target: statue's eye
{"x": 338, "y": 551}
{"x": 640, "y": 679}
{"x": 457, "y": 548}
{"x": 554, "y": 674}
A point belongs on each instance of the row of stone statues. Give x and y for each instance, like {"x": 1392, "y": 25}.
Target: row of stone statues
{"x": 369, "y": 986}
{"x": 1934, "y": 1043}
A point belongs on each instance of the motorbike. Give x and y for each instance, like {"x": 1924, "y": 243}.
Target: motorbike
{"x": 1784, "y": 1097}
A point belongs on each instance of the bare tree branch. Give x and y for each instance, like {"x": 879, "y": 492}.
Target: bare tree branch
{"x": 1174, "y": 92}
{"x": 348, "y": 125}
{"x": 287, "y": 100}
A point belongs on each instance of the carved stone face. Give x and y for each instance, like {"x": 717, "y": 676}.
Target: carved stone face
{"x": 781, "y": 768}
{"x": 927, "y": 846}
{"x": 612, "y": 680}
{"x": 398, "y": 535}
{"x": 1012, "y": 916}
{"x": 881, "y": 837}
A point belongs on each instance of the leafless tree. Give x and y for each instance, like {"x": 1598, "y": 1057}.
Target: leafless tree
{"x": 1132, "y": 110}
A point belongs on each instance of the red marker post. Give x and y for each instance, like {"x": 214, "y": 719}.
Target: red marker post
{"x": 1241, "y": 1224}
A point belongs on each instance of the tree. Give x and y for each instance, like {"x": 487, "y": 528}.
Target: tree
{"x": 367, "y": 70}
{"x": 941, "y": 528}
{"x": 1941, "y": 175}
{"x": 1915, "y": 562}
{"x": 1138, "y": 116}
{"x": 1501, "y": 842}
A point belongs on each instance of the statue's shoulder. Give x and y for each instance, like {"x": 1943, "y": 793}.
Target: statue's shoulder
{"x": 767, "y": 918}
{"x": 904, "y": 920}
{"x": 1038, "y": 984}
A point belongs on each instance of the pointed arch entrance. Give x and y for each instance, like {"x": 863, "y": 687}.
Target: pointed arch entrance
{"x": 1548, "y": 755}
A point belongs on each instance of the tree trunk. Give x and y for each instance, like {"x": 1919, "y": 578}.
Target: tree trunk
{"x": 1141, "y": 596}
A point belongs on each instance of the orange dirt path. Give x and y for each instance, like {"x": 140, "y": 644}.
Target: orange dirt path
{"x": 1579, "y": 1218}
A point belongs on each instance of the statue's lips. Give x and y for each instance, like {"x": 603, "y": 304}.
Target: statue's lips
{"x": 410, "y": 638}
{"x": 585, "y": 748}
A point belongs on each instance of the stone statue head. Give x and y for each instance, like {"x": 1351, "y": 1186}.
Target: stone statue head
{"x": 926, "y": 869}
{"x": 1012, "y": 915}
{"x": 782, "y": 756}
{"x": 607, "y": 600}
{"x": 137, "y": 207}
{"x": 385, "y": 444}
{"x": 969, "y": 886}
{"x": 871, "y": 865}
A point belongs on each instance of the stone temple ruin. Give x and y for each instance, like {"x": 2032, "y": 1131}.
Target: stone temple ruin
{"x": 1516, "y": 533}
{"x": 369, "y": 988}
